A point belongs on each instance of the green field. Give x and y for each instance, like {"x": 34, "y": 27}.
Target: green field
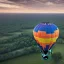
{"x": 34, "y": 58}
{"x": 17, "y": 44}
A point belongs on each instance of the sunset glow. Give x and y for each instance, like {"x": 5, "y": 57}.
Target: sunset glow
{"x": 20, "y": 6}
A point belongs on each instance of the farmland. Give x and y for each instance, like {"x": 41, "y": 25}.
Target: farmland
{"x": 16, "y": 39}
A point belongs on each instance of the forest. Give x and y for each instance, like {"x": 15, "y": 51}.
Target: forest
{"x": 16, "y": 37}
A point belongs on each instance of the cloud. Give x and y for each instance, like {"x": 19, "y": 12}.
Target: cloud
{"x": 42, "y": 1}
{"x": 32, "y": 5}
{"x": 38, "y": 3}
{"x": 3, "y": 5}
{"x": 23, "y": 1}
{"x": 57, "y": 1}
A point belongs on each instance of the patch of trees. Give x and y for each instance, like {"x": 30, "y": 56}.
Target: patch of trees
{"x": 19, "y": 42}
{"x": 60, "y": 41}
{"x": 18, "y": 46}
{"x": 19, "y": 52}
{"x": 57, "y": 58}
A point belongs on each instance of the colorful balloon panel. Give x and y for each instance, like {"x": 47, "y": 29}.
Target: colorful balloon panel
{"x": 46, "y": 35}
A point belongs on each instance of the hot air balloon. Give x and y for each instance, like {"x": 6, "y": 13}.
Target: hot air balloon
{"x": 46, "y": 35}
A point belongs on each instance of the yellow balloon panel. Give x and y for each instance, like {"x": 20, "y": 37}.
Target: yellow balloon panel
{"x": 45, "y": 40}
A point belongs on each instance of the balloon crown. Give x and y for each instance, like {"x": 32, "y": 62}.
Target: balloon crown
{"x": 46, "y": 23}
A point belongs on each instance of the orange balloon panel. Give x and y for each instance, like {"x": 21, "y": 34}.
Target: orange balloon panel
{"x": 42, "y": 34}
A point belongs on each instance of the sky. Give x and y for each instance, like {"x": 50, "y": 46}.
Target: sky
{"x": 31, "y": 6}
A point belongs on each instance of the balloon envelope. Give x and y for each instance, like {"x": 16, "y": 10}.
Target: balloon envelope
{"x": 46, "y": 35}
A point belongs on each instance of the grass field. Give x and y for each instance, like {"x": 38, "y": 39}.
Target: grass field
{"x": 34, "y": 58}
{"x": 10, "y": 35}
{"x": 26, "y": 31}
{"x": 16, "y": 33}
